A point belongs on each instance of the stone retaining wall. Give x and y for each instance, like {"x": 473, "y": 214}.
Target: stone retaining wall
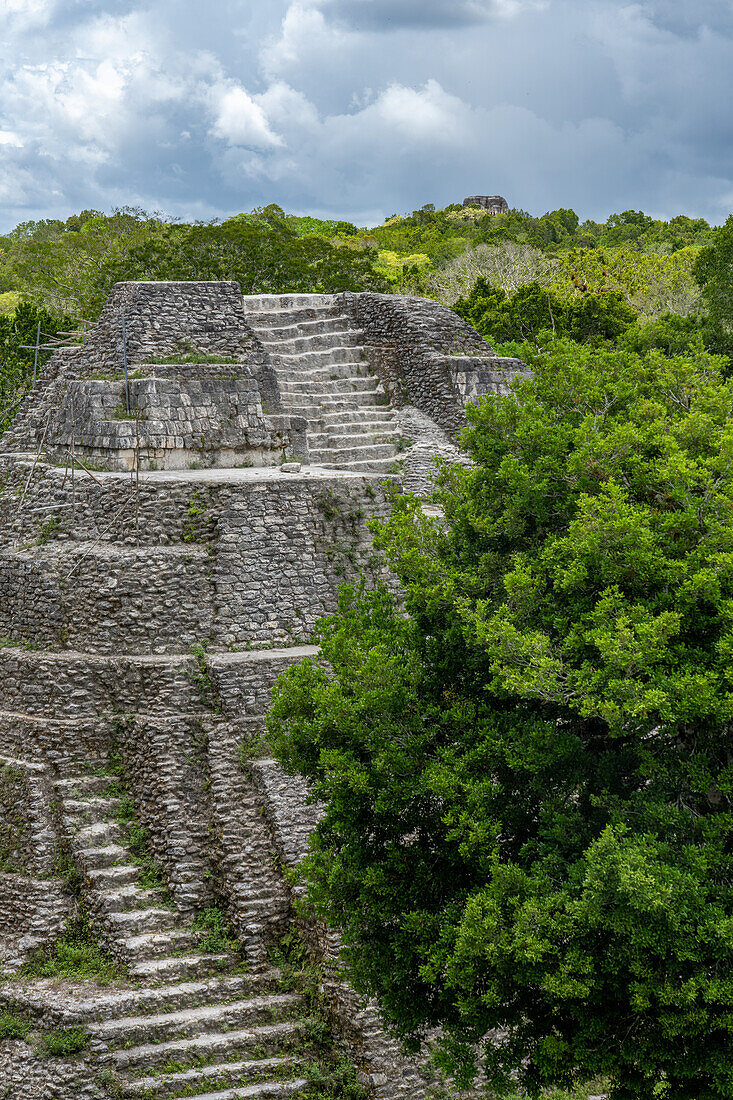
{"x": 240, "y": 564}
{"x": 105, "y": 598}
{"x": 33, "y": 913}
{"x": 427, "y": 356}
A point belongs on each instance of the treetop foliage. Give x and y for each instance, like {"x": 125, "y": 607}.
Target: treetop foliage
{"x": 527, "y": 770}
{"x": 18, "y": 333}
{"x": 590, "y": 317}
{"x": 72, "y": 266}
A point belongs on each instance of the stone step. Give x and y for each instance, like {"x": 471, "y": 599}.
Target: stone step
{"x": 90, "y": 811}
{"x": 318, "y": 357}
{"x": 343, "y": 438}
{"x": 139, "y": 922}
{"x": 105, "y": 857}
{"x": 318, "y": 377}
{"x": 316, "y": 341}
{"x": 269, "y": 302}
{"x": 222, "y": 1075}
{"x": 383, "y": 466}
{"x": 336, "y": 387}
{"x": 189, "y": 1022}
{"x": 123, "y": 898}
{"x": 82, "y": 786}
{"x": 254, "y": 1092}
{"x": 322, "y": 403}
{"x": 176, "y": 968}
{"x": 301, "y": 325}
{"x": 155, "y": 945}
{"x": 272, "y": 320}
{"x": 164, "y": 998}
{"x": 358, "y": 416}
{"x": 101, "y": 834}
{"x": 111, "y": 879}
{"x": 269, "y": 1038}
{"x": 324, "y": 455}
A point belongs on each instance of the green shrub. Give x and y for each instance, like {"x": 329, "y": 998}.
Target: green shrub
{"x": 532, "y": 309}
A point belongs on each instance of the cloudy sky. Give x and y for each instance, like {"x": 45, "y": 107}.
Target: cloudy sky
{"x": 363, "y": 108}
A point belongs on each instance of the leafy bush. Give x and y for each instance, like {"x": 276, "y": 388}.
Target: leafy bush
{"x": 532, "y": 309}
{"x": 13, "y": 1025}
{"x": 526, "y": 763}
{"x": 18, "y": 332}
{"x": 670, "y": 334}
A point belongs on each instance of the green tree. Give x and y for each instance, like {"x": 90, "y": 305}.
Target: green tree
{"x": 533, "y": 309}
{"x": 69, "y": 268}
{"x": 526, "y": 764}
{"x": 263, "y": 258}
{"x": 713, "y": 271}
{"x": 670, "y": 333}
{"x": 18, "y": 332}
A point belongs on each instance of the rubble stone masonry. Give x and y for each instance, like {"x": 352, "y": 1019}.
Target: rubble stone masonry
{"x": 180, "y": 499}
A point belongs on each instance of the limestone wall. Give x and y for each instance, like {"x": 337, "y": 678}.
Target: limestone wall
{"x": 169, "y": 319}
{"x": 235, "y": 564}
{"x": 427, "y": 356}
{"x": 25, "y": 1075}
{"x": 33, "y": 913}
{"x": 210, "y": 420}
{"x": 77, "y": 595}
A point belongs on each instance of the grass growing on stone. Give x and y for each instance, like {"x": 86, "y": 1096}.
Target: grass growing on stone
{"x": 51, "y": 529}
{"x": 13, "y": 1025}
{"x": 254, "y": 748}
{"x": 191, "y": 357}
{"x": 63, "y": 1042}
{"x": 201, "y": 679}
{"x": 218, "y": 935}
{"x": 76, "y": 956}
{"x": 123, "y": 413}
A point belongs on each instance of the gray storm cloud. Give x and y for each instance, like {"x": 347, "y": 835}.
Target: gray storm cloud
{"x": 387, "y": 15}
{"x": 359, "y": 108}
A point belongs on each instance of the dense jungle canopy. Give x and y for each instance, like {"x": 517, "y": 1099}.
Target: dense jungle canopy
{"x": 632, "y": 280}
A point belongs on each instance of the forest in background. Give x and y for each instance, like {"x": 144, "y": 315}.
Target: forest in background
{"x": 631, "y": 281}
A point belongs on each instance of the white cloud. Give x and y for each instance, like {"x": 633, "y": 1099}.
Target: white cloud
{"x": 239, "y": 120}
{"x": 22, "y": 15}
{"x": 303, "y": 31}
{"x": 423, "y": 114}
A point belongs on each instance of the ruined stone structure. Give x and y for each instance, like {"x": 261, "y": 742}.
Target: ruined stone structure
{"x": 495, "y": 204}
{"x": 180, "y": 498}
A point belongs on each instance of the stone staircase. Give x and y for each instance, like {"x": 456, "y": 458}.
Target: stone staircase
{"x": 323, "y": 376}
{"x": 191, "y": 1022}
